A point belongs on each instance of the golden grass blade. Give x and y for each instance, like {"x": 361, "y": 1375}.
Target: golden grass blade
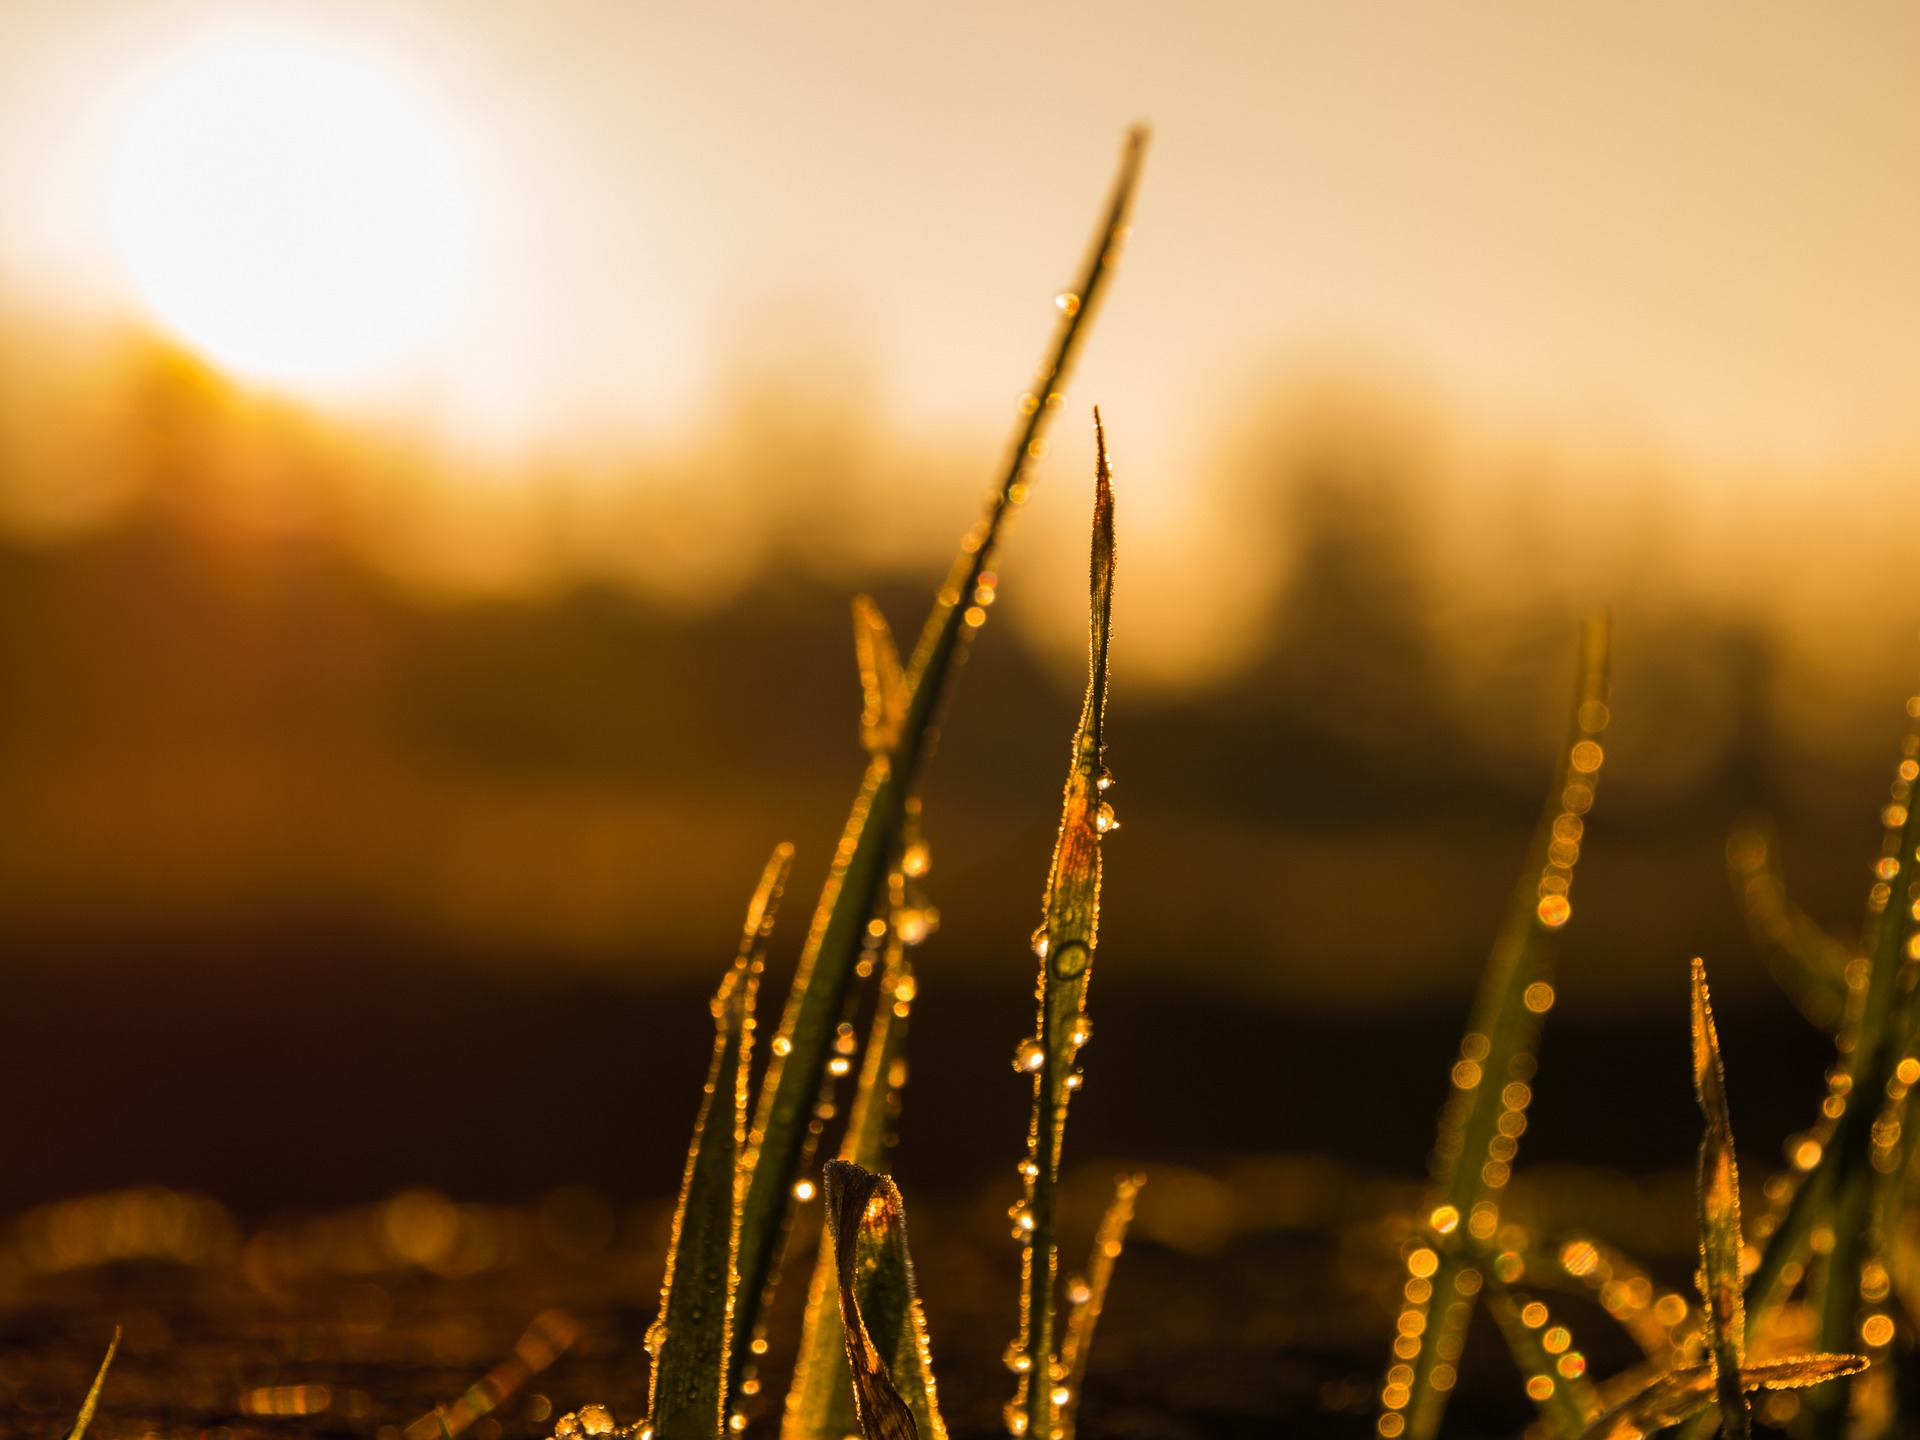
{"x": 820, "y": 1400}
{"x": 1681, "y": 1394}
{"x": 1809, "y": 964}
{"x": 78, "y": 1429}
{"x": 1719, "y": 1204}
{"x": 1486, "y": 1111}
{"x": 1556, "y": 1384}
{"x": 1838, "y": 1193}
{"x": 883, "y": 683}
{"x": 1087, "y": 1297}
{"x": 886, "y": 1334}
{"x": 1065, "y": 944}
{"x": 779, "y": 1138}
{"x": 689, "y": 1342}
{"x": 551, "y": 1335}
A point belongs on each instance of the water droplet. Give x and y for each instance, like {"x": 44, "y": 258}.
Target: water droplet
{"x": 1070, "y": 959}
{"x": 845, "y": 1041}
{"x": 567, "y": 1427}
{"x": 1061, "y": 1394}
{"x": 1021, "y": 1216}
{"x": 1016, "y": 1419}
{"x": 1074, "y": 1080}
{"x": 839, "y": 1065}
{"x": 1104, "y": 819}
{"x": 917, "y": 860}
{"x": 803, "y": 1190}
{"x": 1028, "y": 1169}
{"x": 595, "y": 1419}
{"x": 1082, "y": 1030}
{"x": 782, "y": 1045}
{"x": 1016, "y": 1359}
{"x": 1067, "y": 302}
{"x": 1029, "y": 1056}
{"x": 1078, "y": 1292}
{"x": 1105, "y": 782}
{"x": 1040, "y": 942}
{"x": 914, "y": 926}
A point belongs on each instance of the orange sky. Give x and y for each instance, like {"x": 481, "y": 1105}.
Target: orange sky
{"x": 1695, "y": 223}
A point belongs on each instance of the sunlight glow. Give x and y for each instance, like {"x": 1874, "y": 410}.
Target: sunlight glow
{"x": 288, "y": 208}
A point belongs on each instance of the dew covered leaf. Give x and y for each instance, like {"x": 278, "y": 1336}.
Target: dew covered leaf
{"x": 820, "y": 1401}
{"x": 1719, "y": 1212}
{"x": 1065, "y": 944}
{"x": 886, "y": 1333}
{"x": 78, "y": 1430}
{"x": 1087, "y": 1297}
{"x": 1485, "y": 1110}
{"x": 883, "y": 684}
{"x": 1681, "y": 1394}
{"x": 778, "y": 1142}
{"x": 689, "y": 1341}
{"x": 1566, "y": 1402}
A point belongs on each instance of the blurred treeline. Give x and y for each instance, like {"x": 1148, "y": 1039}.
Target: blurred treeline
{"x": 270, "y": 674}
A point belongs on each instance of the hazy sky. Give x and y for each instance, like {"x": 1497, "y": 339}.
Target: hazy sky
{"x": 1698, "y": 222}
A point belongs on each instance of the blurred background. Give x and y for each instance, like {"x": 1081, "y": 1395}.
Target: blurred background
{"x": 438, "y": 444}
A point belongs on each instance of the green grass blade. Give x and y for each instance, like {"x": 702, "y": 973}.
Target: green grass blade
{"x": 689, "y": 1342}
{"x": 1485, "y": 1113}
{"x": 886, "y": 1333}
{"x": 1087, "y": 1297}
{"x": 883, "y": 684}
{"x": 820, "y": 1401}
{"x": 1065, "y": 942}
{"x": 87, "y": 1406}
{"x": 1837, "y": 1193}
{"x": 778, "y": 1140}
{"x": 1556, "y": 1384}
{"x": 1679, "y": 1395}
{"x": 1809, "y": 964}
{"x": 1719, "y": 1202}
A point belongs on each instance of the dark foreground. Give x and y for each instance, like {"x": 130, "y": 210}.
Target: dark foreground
{"x": 1255, "y": 1298}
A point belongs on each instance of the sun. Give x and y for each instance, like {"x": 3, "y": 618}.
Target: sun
{"x": 289, "y": 208}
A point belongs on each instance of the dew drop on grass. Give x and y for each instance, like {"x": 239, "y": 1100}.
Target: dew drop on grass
{"x": 1040, "y": 942}
{"x": 1030, "y": 1056}
{"x": 1104, "y": 819}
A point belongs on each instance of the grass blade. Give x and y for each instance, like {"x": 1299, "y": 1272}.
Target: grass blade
{"x": 1809, "y": 964}
{"x": 689, "y": 1342}
{"x": 1087, "y": 1297}
{"x": 1679, "y": 1395}
{"x": 78, "y": 1429}
{"x": 1555, "y": 1374}
{"x": 1065, "y": 943}
{"x": 893, "y": 1377}
{"x": 820, "y": 1401}
{"x": 1837, "y": 1193}
{"x": 777, "y": 1143}
{"x": 550, "y": 1335}
{"x": 1720, "y": 1238}
{"x": 883, "y": 683}
{"x": 1485, "y": 1113}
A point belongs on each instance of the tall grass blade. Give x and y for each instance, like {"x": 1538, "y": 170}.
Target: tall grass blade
{"x": 1719, "y": 1202}
{"x": 550, "y": 1335}
{"x": 883, "y": 684}
{"x": 1809, "y": 964}
{"x": 1837, "y": 1192}
{"x": 886, "y": 1334}
{"x": 1087, "y": 1297}
{"x": 1065, "y": 943}
{"x": 1558, "y": 1387}
{"x": 820, "y": 1401}
{"x": 1679, "y": 1395}
{"x": 689, "y": 1342}
{"x": 777, "y": 1143}
{"x": 1485, "y": 1113}
{"x": 78, "y": 1429}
